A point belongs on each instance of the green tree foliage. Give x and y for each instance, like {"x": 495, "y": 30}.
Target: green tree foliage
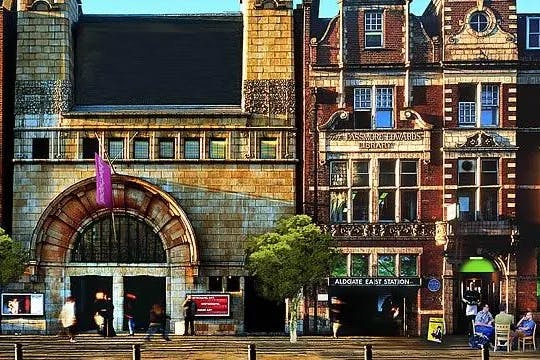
{"x": 293, "y": 256}
{"x": 13, "y": 259}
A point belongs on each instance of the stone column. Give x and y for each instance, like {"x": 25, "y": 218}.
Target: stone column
{"x": 118, "y": 302}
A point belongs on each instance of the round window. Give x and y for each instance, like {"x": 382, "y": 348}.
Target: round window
{"x": 479, "y": 21}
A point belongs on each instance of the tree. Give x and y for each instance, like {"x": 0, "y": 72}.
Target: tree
{"x": 13, "y": 259}
{"x": 295, "y": 255}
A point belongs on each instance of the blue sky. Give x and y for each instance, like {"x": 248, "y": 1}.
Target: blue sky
{"x": 328, "y": 8}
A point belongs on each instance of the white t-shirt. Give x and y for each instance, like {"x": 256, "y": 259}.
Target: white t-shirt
{"x": 471, "y": 309}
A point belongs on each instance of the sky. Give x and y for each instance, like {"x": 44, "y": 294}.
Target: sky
{"x": 328, "y": 7}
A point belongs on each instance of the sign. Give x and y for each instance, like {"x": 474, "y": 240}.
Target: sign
{"x": 436, "y": 329}
{"x": 212, "y": 304}
{"x": 378, "y": 141}
{"x": 22, "y": 304}
{"x": 434, "y": 284}
{"x": 374, "y": 281}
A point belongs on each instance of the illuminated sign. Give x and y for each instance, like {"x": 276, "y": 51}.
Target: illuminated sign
{"x": 212, "y": 304}
{"x": 374, "y": 281}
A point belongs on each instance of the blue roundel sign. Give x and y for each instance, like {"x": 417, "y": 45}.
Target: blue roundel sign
{"x": 434, "y": 285}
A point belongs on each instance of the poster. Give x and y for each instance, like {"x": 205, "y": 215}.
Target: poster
{"x": 18, "y": 304}
{"x": 435, "y": 329}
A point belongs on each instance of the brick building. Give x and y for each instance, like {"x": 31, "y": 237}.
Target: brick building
{"x": 196, "y": 113}
{"x": 7, "y": 72}
{"x": 410, "y": 133}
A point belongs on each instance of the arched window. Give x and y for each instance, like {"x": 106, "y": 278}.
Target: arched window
{"x": 135, "y": 242}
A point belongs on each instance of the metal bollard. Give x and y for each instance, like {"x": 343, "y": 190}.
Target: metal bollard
{"x": 18, "y": 352}
{"x": 136, "y": 351}
{"x": 485, "y": 352}
{"x": 368, "y": 353}
{"x": 252, "y": 353}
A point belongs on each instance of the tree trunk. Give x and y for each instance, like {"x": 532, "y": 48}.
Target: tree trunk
{"x": 293, "y": 317}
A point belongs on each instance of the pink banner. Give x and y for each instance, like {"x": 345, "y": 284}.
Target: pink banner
{"x": 103, "y": 183}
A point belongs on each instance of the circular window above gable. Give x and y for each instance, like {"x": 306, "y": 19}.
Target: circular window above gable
{"x": 479, "y": 21}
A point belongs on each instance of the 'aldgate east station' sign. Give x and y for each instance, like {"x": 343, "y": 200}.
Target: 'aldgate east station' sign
{"x": 374, "y": 281}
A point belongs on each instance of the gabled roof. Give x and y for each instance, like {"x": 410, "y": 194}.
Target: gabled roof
{"x": 158, "y": 60}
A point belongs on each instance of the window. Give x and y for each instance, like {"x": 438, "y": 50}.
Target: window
{"x": 387, "y": 198}
{"x": 338, "y": 173}
{"x": 359, "y": 265}
{"x": 141, "y": 148}
{"x": 381, "y": 111}
{"x": 487, "y": 102}
{"x": 40, "y": 148}
{"x": 533, "y": 32}
{"x": 340, "y": 267}
{"x": 386, "y": 265}
{"x": 358, "y": 191}
{"x": 409, "y": 173}
{"x": 233, "y": 283}
{"x": 374, "y": 29}
{"x": 192, "y": 149}
{"x": 166, "y": 148}
{"x": 338, "y": 206}
{"x": 217, "y": 149}
{"x": 90, "y": 146}
{"x": 478, "y": 192}
{"x": 215, "y": 283}
{"x": 116, "y": 149}
{"x": 479, "y": 21}
{"x": 408, "y": 265}
{"x": 268, "y": 148}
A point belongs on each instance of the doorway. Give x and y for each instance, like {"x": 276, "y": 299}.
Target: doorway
{"x": 262, "y": 315}
{"x": 84, "y": 289}
{"x": 148, "y": 290}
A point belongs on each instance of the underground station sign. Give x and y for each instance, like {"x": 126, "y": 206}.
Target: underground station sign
{"x": 212, "y": 304}
{"x": 374, "y": 281}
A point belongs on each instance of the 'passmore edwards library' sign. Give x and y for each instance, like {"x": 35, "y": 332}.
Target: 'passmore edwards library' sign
{"x": 374, "y": 281}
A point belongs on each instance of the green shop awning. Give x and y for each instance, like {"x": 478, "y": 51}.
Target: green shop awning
{"x": 477, "y": 265}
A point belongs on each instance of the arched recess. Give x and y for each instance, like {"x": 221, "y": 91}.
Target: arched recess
{"x": 76, "y": 206}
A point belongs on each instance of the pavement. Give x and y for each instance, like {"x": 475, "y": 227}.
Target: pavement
{"x": 92, "y": 346}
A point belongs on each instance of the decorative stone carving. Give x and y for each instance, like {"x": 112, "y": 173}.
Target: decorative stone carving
{"x": 275, "y": 97}
{"x": 273, "y": 4}
{"x": 43, "y": 97}
{"x": 381, "y": 230}
{"x": 480, "y": 139}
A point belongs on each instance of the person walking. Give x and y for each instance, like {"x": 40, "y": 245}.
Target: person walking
{"x": 158, "y": 322}
{"x": 190, "y": 310}
{"x": 129, "y": 312}
{"x": 68, "y": 318}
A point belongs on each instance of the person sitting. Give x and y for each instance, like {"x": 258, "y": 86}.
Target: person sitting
{"x": 483, "y": 323}
{"x": 503, "y": 318}
{"x": 525, "y": 326}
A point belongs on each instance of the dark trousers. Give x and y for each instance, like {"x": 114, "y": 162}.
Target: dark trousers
{"x": 189, "y": 323}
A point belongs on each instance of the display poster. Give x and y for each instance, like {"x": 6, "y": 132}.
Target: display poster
{"x": 436, "y": 329}
{"x": 22, "y": 304}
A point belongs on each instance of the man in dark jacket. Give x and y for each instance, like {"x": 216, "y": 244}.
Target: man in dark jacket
{"x": 158, "y": 322}
{"x": 190, "y": 309}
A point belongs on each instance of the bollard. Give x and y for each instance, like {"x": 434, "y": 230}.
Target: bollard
{"x": 368, "y": 353}
{"x": 252, "y": 353}
{"x": 18, "y": 352}
{"x": 136, "y": 351}
{"x": 485, "y": 352}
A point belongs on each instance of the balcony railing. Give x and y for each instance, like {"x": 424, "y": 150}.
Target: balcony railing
{"x": 489, "y": 228}
{"x": 373, "y": 231}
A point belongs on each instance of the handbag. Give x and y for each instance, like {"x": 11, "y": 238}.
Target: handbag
{"x": 98, "y": 319}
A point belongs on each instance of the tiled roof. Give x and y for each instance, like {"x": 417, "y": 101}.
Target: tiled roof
{"x": 158, "y": 60}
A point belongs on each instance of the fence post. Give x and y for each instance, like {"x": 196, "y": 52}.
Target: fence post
{"x": 485, "y": 352}
{"x": 136, "y": 351}
{"x": 368, "y": 353}
{"x": 18, "y": 351}
{"x": 252, "y": 353}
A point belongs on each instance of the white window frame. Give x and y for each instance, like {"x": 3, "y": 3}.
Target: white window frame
{"x": 529, "y": 33}
{"x": 477, "y": 187}
{"x": 468, "y": 113}
{"x": 375, "y": 98}
{"x": 373, "y": 26}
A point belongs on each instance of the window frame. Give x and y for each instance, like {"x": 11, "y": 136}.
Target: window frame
{"x": 473, "y": 23}
{"x": 529, "y": 33}
{"x": 41, "y": 148}
{"x": 381, "y": 99}
{"x": 119, "y": 141}
{"x": 487, "y": 99}
{"x": 161, "y": 142}
{"x": 273, "y": 142}
{"x": 146, "y": 142}
{"x": 374, "y": 27}
{"x": 212, "y": 154}
{"x": 187, "y": 149}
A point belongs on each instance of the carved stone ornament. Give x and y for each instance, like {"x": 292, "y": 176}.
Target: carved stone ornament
{"x": 273, "y": 4}
{"x": 43, "y": 97}
{"x": 275, "y": 97}
{"x": 480, "y": 139}
{"x": 382, "y": 230}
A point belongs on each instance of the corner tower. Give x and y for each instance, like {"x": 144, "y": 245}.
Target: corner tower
{"x": 268, "y": 73}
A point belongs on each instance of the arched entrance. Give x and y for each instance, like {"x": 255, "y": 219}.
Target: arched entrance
{"x": 145, "y": 236}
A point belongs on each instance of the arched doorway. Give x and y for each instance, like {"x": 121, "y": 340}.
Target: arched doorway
{"x": 478, "y": 275}
{"x": 80, "y": 247}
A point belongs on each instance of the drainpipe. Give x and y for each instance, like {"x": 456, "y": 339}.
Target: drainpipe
{"x": 407, "y": 96}
{"x": 315, "y": 155}
{"x": 341, "y": 60}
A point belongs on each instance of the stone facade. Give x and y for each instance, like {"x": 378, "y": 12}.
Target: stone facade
{"x": 201, "y": 209}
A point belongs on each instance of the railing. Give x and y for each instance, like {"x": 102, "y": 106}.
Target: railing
{"x": 489, "y": 228}
{"x": 381, "y": 230}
